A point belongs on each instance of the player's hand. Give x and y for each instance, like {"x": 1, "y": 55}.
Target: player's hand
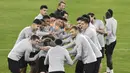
{"x": 44, "y": 48}
{"x": 105, "y": 34}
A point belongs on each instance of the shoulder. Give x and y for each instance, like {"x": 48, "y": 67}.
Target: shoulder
{"x": 114, "y": 19}
{"x": 26, "y": 28}
{"x": 90, "y": 29}
{"x": 39, "y": 16}
{"x": 51, "y": 49}
{"x": 80, "y": 37}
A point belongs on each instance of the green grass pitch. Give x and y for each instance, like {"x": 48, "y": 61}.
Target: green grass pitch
{"x": 17, "y": 14}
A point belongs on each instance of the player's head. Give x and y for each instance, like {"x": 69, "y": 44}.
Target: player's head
{"x": 86, "y": 16}
{"x": 52, "y": 17}
{"x": 43, "y": 22}
{"x": 36, "y": 24}
{"x": 59, "y": 21}
{"x": 74, "y": 30}
{"x": 46, "y": 18}
{"x": 84, "y": 23}
{"x": 43, "y": 9}
{"x": 108, "y": 15}
{"x": 34, "y": 39}
{"x": 111, "y": 12}
{"x": 79, "y": 21}
{"x": 61, "y": 5}
{"x": 58, "y": 42}
{"x": 92, "y": 16}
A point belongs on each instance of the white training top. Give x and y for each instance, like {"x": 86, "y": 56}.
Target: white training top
{"x": 100, "y": 25}
{"x": 92, "y": 26}
{"x": 56, "y": 57}
{"x": 111, "y": 27}
{"x": 91, "y": 33}
{"x": 25, "y": 33}
{"x": 84, "y": 50}
{"x": 23, "y": 48}
{"x": 96, "y": 51}
{"x": 39, "y": 16}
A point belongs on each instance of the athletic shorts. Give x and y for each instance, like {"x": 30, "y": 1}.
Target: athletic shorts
{"x": 13, "y": 66}
{"x": 42, "y": 67}
{"x": 23, "y": 63}
{"x": 102, "y": 51}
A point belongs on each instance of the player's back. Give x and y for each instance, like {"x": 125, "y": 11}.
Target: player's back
{"x": 56, "y": 58}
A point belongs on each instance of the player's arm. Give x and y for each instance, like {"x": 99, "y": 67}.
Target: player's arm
{"x": 108, "y": 28}
{"x": 46, "y": 59}
{"x": 27, "y": 56}
{"x": 64, "y": 36}
{"x": 70, "y": 45}
{"x": 79, "y": 50}
{"x": 45, "y": 48}
{"x": 101, "y": 28}
{"x": 21, "y": 36}
{"x": 41, "y": 33}
{"x": 68, "y": 58}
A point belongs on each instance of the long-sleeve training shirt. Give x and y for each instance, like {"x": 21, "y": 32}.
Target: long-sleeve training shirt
{"x": 23, "y": 48}
{"x": 111, "y": 27}
{"x": 91, "y": 33}
{"x": 84, "y": 50}
{"x": 56, "y": 57}
{"x": 99, "y": 25}
{"x": 25, "y": 33}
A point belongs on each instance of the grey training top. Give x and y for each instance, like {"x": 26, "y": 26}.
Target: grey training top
{"x": 83, "y": 50}
{"x": 23, "y": 48}
{"x": 56, "y": 57}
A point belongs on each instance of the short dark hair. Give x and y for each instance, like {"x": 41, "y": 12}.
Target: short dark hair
{"x": 52, "y": 15}
{"x": 108, "y": 15}
{"x": 86, "y": 20}
{"x": 91, "y": 14}
{"x": 58, "y": 41}
{"x": 43, "y": 6}
{"x": 79, "y": 18}
{"x": 111, "y": 11}
{"x": 76, "y": 28}
{"x": 42, "y": 20}
{"x": 86, "y": 16}
{"x": 37, "y": 21}
{"x": 34, "y": 37}
{"x": 46, "y": 17}
{"x": 61, "y": 3}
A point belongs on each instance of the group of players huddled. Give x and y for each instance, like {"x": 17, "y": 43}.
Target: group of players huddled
{"x": 50, "y": 41}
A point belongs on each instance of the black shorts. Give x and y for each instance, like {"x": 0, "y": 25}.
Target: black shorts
{"x": 97, "y": 65}
{"x": 79, "y": 67}
{"x": 23, "y": 63}
{"x": 89, "y": 67}
{"x": 57, "y": 72}
{"x": 42, "y": 67}
{"x": 13, "y": 66}
{"x": 102, "y": 51}
{"x": 110, "y": 48}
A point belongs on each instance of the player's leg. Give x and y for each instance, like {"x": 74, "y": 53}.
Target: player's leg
{"x": 13, "y": 66}
{"x": 42, "y": 68}
{"x": 79, "y": 67}
{"x": 23, "y": 65}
